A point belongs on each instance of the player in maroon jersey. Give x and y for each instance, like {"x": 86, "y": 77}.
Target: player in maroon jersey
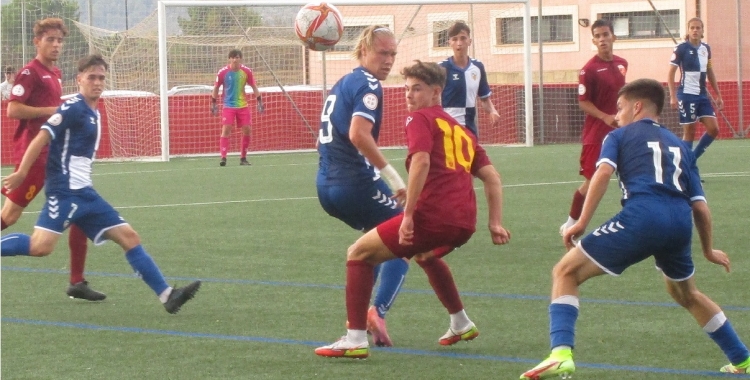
{"x": 598, "y": 84}
{"x": 35, "y": 97}
{"x": 440, "y": 212}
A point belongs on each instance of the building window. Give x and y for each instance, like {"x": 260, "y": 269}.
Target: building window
{"x": 645, "y": 24}
{"x": 440, "y": 32}
{"x": 557, "y": 28}
{"x": 349, "y": 38}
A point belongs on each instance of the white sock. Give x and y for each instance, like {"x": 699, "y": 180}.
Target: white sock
{"x": 356, "y": 336}
{"x": 164, "y": 296}
{"x": 460, "y": 321}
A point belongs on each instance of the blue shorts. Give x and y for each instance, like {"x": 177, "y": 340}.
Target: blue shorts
{"x": 86, "y": 209}
{"x": 659, "y": 229}
{"x": 362, "y": 206}
{"x": 694, "y": 107}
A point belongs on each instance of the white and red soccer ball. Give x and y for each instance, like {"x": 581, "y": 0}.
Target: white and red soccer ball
{"x": 318, "y": 26}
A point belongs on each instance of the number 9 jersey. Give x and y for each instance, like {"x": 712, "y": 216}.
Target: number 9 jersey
{"x": 448, "y": 195}
{"x": 356, "y": 94}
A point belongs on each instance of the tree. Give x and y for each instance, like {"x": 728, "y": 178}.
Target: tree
{"x": 203, "y": 21}
{"x": 16, "y": 28}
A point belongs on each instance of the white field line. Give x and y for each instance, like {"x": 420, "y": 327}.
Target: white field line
{"x": 506, "y": 186}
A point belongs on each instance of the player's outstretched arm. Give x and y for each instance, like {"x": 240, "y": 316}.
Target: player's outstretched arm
{"x": 493, "y": 191}
{"x": 29, "y": 157}
{"x": 702, "y": 218}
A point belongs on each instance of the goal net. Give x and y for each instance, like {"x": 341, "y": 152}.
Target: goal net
{"x": 163, "y": 69}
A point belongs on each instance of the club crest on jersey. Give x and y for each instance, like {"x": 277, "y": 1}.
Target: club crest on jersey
{"x": 622, "y": 69}
{"x": 25, "y": 72}
{"x": 18, "y": 90}
{"x": 370, "y": 101}
{"x": 473, "y": 76}
{"x": 55, "y": 120}
{"x": 581, "y": 89}
{"x": 408, "y": 120}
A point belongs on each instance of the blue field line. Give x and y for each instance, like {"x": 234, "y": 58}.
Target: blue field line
{"x": 341, "y": 287}
{"x": 402, "y": 351}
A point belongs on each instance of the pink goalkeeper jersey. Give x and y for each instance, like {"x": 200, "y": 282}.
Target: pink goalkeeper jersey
{"x": 234, "y": 85}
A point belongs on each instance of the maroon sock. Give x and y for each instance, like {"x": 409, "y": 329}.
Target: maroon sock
{"x": 78, "y": 244}
{"x": 359, "y": 283}
{"x": 442, "y": 283}
{"x": 577, "y": 206}
{"x": 5, "y": 225}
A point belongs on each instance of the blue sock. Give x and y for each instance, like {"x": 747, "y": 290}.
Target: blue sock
{"x": 703, "y": 144}
{"x": 392, "y": 274}
{"x": 730, "y": 343}
{"x": 146, "y": 268}
{"x": 562, "y": 324}
{"x": 15, "y": 245}
{"x": 688, "y": 144}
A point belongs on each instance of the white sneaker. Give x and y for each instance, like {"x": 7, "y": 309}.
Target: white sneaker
{"x": 342, "y": 348}
{"x": 452, "y": 337}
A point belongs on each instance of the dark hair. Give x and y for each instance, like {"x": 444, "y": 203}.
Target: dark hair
{"x": 91, "y": 60}
{"x": 235, "y": 53}
{"x": 47, "y": 24}
{"x": 458, "y": 27}
{"x": 429, "y": 72}
{"x": 645, "y": 89}
{"x": 687, "y": 36}
{"x": 602, "y": 23}
{"x": 9, "y": 70}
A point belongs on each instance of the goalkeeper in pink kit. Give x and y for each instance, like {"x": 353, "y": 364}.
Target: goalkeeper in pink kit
{"x": 234, "y": 77}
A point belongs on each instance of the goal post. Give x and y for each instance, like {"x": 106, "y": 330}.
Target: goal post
{"x": 293, "y": 80}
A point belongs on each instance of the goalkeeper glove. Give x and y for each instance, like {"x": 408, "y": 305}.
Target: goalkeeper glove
{"x": 214, "y": 107}
{"x": 260, "y": 106}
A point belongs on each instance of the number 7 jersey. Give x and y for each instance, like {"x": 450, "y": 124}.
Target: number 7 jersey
{"x": 652, "y": 163}
{"x": 448, "y": 195}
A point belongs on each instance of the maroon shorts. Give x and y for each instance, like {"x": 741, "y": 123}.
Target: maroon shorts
{"x": 31, "y": 186}
{"x": 589, "y": 155}
{"x": 425, "y": 239}
{"x": 231, "y": 115}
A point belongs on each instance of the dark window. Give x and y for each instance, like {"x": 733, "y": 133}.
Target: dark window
{"x": 558, "y": 28}
{"x": 644, "y": 25}
{"x": 349, "y": 38}
{"x": 440, "y": 32}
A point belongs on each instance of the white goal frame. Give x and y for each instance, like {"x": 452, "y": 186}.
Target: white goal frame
{"x": 162, "y": 43}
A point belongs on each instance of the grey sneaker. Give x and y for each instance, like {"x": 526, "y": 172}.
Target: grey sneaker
{"x": 82, "y": 291}
{"x": 244, "y": 162}
{"x": 179, "y": 296}
{"x": 223, "y": 161}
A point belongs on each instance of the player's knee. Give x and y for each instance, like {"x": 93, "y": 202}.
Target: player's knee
{"x": 356, "y": 251}
{"x": 40, "y": 250}
{"x": 10, "y": 215}
{"x": 685, "y": 298}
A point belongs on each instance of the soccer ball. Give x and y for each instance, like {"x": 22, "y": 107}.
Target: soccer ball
{"x": 318, "y": 26}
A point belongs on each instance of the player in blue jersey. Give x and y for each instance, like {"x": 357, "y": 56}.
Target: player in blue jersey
{"x": 466, "y": 81}
{"x": 662, "y": 194}
{"x": 349, "y": 183}
{"x": 73, "y": 134}
{"x": 693, "y": 58}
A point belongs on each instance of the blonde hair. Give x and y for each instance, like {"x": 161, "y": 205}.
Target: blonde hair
{"x": 366, "y": 39}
